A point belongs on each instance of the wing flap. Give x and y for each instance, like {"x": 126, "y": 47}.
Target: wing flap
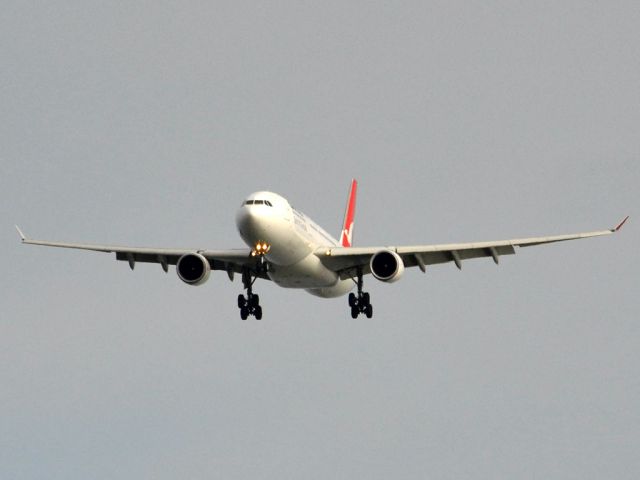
{"x": 466, "y": 253}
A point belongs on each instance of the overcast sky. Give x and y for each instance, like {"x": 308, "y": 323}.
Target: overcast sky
{"x": 147, "y": 123}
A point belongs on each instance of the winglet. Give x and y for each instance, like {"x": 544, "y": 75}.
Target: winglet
{"x": 620, "y": 224}
{"x": 346, "y": 236}
{"x": 22, "y": 236}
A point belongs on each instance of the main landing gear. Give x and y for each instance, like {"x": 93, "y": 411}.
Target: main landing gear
{"x": 249, "y": 305}
{"x": 361, "y": 303}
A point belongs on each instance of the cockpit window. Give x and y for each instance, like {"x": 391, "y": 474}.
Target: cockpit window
{"x": 258, "y": 202}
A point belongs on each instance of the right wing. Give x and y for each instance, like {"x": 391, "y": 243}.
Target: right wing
{"x": 231, "y": 261}
{"x": 347, "y": 261}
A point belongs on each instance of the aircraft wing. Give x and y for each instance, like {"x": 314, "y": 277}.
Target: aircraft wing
{"x": 348, "y": 260}
{"x": 231, "y": 261}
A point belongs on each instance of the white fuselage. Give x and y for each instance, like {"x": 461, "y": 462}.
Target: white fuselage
{"x": 293, "y": 238}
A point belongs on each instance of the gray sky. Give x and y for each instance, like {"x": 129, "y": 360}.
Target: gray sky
{"x": 147, "y": 123}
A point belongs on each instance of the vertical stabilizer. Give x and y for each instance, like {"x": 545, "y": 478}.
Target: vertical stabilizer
{"x": 346, "y": 236}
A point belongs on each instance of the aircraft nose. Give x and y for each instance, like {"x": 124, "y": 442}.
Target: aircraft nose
{"x": 245, "y": 219}
{"x": 250, "y": 223}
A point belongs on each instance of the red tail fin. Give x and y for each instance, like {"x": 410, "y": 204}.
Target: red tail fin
{"x": 347, "y": 227}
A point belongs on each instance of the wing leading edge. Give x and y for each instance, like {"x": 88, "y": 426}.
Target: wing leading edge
{"x": 231, "y": 260}
{"x": 346, "y": 261}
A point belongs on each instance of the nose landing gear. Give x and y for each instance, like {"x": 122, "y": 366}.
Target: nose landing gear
{"x": 362, "y": 302}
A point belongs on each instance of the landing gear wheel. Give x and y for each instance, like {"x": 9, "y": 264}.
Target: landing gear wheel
{"x": 360, "y": 303}
{"x": 250, "y": 305}
{"x": 352, "y": 300}
{"x": 254, "y": 301}
{"x": 366, "y": 300}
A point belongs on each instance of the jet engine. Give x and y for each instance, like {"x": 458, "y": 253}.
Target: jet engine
{"x": 193, "y": 269}
{"x": 386, "y": 266}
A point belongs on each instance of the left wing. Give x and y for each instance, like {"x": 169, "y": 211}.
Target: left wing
{"x": 347, "y": 261}
{"x": 232, "y": 261}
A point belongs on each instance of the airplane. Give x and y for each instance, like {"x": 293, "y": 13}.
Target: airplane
{"x": 288, "y": 248}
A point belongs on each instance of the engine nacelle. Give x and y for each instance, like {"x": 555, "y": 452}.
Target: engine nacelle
{"x": 193, "y": 269}
{"x": 386, "y": 266}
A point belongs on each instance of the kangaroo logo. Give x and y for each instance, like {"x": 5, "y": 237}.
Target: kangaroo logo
{"x": 347, "y": 235}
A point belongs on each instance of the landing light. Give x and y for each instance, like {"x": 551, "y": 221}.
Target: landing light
{"x": 260, "y": 249}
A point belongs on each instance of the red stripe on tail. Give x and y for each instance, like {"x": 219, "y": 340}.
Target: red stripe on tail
{"x": 346, "y": 235}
